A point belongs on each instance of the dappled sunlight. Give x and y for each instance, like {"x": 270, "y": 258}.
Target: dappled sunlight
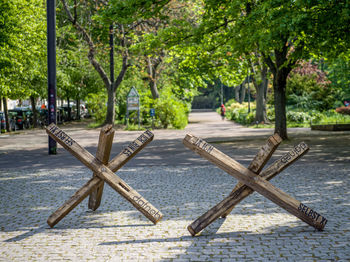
{"x": 183, "y": 186}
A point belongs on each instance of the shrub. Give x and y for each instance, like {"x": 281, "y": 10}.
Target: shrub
{"x": 239, "y": 112}
{"x": 97, "y": 105}
{"x": 270, "y": 111}
{"x": 315, "y": 116}
{"x": 298, "y": 117}
{"x": 169, "y": 111}
{"x": 331, "y": 116}
{"x": 305, "y": 92}
{"x": 295, "y": 117}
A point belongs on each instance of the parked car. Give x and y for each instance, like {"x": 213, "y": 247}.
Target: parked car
{"x": 43, "y": 117}
{"x": 2, "y": 120}
{"x": 65, "y": 112}
{"x": 20, "y": 117}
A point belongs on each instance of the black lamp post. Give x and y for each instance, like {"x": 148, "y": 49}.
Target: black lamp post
{"x": 248, "y": 79}
{"x": 51, "y": 68}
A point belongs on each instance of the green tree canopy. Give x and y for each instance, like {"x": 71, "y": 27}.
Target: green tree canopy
{"x": 283, "y": 32}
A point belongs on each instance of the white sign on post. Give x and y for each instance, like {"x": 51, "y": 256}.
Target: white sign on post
{"x": 133, "y": 99}
{"x": 133, "y": 103}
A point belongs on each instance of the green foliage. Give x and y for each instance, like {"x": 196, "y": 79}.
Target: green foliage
{"x": 239, "y": 112}
{"x": 75, "y": 76}
{"x": 282, "y": 32}
{"x": 295, "y": 117}
{"x": 169, "y": 110}
{"x": 196, "y": 41}
{"x": 97, "y": 105}
{"x": 338, "y": 73}
{"x": 332, "y": 117}
{"x": 171, "y": 113}
{"x": 270, "y": 111}
{"x": 304, "y": 92}
{"x": 22, "y": 42}
{"x": 134, "y": 127}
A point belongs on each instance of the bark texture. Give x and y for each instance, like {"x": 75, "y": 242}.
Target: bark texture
{"x": 280, "y": 70}
{"x": 261, "y": 93}
{"x": 35, "y": 112}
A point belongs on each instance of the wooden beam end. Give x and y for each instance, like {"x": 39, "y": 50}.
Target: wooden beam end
{"x": 275, "y": 139}
{"x": 107, "y": 128}
{"x": 51, "y": 222}
{"x": 155, "y": 222}
{"x": 190, "y": 229}
{"x": 188, "y": 137}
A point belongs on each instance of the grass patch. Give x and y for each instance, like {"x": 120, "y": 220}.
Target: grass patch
{"x": 95, "y": 125}
{"x": 132, "y": 127}
{"x": 272, "y": 125}
{"x": 333, "y": 119}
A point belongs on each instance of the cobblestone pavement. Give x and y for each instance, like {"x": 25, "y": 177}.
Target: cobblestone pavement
{"x": 256, "y": 230}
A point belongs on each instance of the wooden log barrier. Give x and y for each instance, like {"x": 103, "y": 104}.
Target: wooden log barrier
{"x": 223, "y": 208}
{"x": 243, "y": 191}
{"x": 104, "y": 147}
{"x": 103, "y": 152}
{"x": 274, "y": 169}
{"x": 259, "y": 161}
{"x": 255, "y": 182}
{"x": 105, "y": 173}
{"x": 115, "y": 164}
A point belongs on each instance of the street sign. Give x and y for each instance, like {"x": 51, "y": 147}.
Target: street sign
{"x": 133, "y": 99}
{"x": 132, "y": 104}
{"x": 152, "y": 112}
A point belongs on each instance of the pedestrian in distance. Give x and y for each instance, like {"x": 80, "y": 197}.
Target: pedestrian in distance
{"x": 223, "y": 111}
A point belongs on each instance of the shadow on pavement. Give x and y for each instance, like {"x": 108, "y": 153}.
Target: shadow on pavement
{"x": 171, "y": 152}
{"x": 29, "y": 197}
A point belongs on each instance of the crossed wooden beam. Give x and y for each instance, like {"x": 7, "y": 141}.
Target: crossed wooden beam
{"x": 104, "y": 171}
{"x": 251, "y": 179}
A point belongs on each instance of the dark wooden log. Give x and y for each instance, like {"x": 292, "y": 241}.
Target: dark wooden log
{"x": 257, "y": 183}
{"x": 104, "y": 147}
{"x": 243, "y": 191}
{"x": 114, "y": 165}
{"x": 259, "y": 161}
{"x": 105, "y": 173}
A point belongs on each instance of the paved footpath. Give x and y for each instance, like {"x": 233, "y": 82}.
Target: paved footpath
{"x": 183, "y": 186}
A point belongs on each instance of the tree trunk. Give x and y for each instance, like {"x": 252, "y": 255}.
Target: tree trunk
{"x": 266, "y": 85}
{"x": 154, "y": 89}
{"x": 35, "y": 112}
{"x": 69, "y": 110}
{"x": 77, "y": 101}
{"x": 237, "y": 93}
{"x": 110, "y": 106}
{"x": 260, "y": 114}
{"x": 152, "y": 78}
{"x": 261, "y": 91}
{"x": 280, "y": 70}
{"x": 6, "y": 113}
{"x": 241, "y": 100}
{"x": 279, "y": 87}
